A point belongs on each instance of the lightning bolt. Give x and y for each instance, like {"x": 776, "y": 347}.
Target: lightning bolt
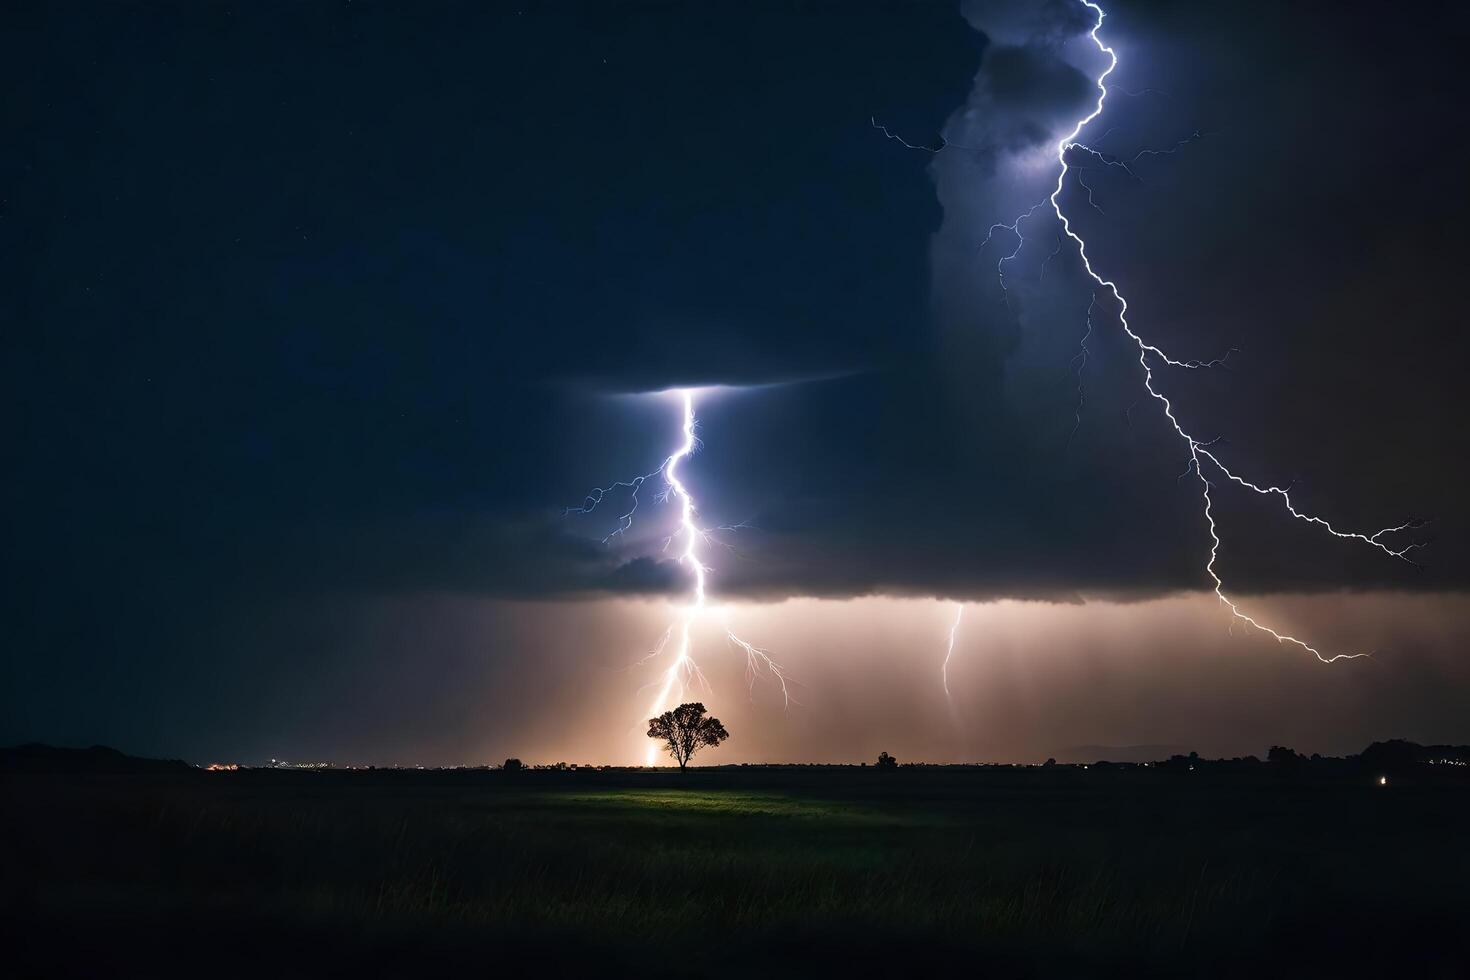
{"x": 954, "y": 629}
{"x": 1150, "y": 356}
{"x": 1080, "y": 359}
{"x": 1110, "y": 160}
{"x": 683, "y": 672}
{"x": 1015, "y": 229}
{"x": 900, "y": 140}
{"x": 598, "y": 494}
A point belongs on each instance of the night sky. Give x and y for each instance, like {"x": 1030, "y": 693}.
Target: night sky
{"x": 316, "y": 316}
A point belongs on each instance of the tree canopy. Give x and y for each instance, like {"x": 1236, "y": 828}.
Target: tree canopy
{"x": 685, "y": 730}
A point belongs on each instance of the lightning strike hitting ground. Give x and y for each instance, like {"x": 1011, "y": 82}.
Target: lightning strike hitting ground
{"x": 1149, "y": 355}
{"x": 684, "y": 673}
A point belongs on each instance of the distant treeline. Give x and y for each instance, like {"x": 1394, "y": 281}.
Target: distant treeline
{"x": 1388, "y": 757}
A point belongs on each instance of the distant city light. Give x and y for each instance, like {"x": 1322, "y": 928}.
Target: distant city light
{"x": 1382, "y": 780}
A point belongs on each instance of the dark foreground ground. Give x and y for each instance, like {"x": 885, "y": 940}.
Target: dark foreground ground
{"x": 743, "y": 872}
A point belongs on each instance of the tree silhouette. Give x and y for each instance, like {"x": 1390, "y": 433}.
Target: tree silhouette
{"x": 686, "y": 730}
{"x": 886, "y": 761}
{"x": 1281, "y": 756}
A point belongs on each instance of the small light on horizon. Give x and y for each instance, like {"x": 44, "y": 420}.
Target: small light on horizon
{"x": 1382, "y": 780}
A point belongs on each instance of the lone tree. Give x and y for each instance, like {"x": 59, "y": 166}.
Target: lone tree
{"x": 686, "y": 730}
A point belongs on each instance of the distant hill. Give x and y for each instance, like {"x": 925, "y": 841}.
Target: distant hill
{"x": 36, "y": 758}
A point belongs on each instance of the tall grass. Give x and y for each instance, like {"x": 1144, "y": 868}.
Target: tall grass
{"x": 1038, "y": 871}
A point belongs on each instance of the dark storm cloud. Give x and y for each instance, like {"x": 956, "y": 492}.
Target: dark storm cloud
{"x": 350, "y": 271}
{"x": 328, "y": 300}
{"x": 455, "y": 552}
{"x": 1027, "y": 89}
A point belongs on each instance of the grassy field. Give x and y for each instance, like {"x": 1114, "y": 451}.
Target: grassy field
{"x": 1064, "y": 872}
